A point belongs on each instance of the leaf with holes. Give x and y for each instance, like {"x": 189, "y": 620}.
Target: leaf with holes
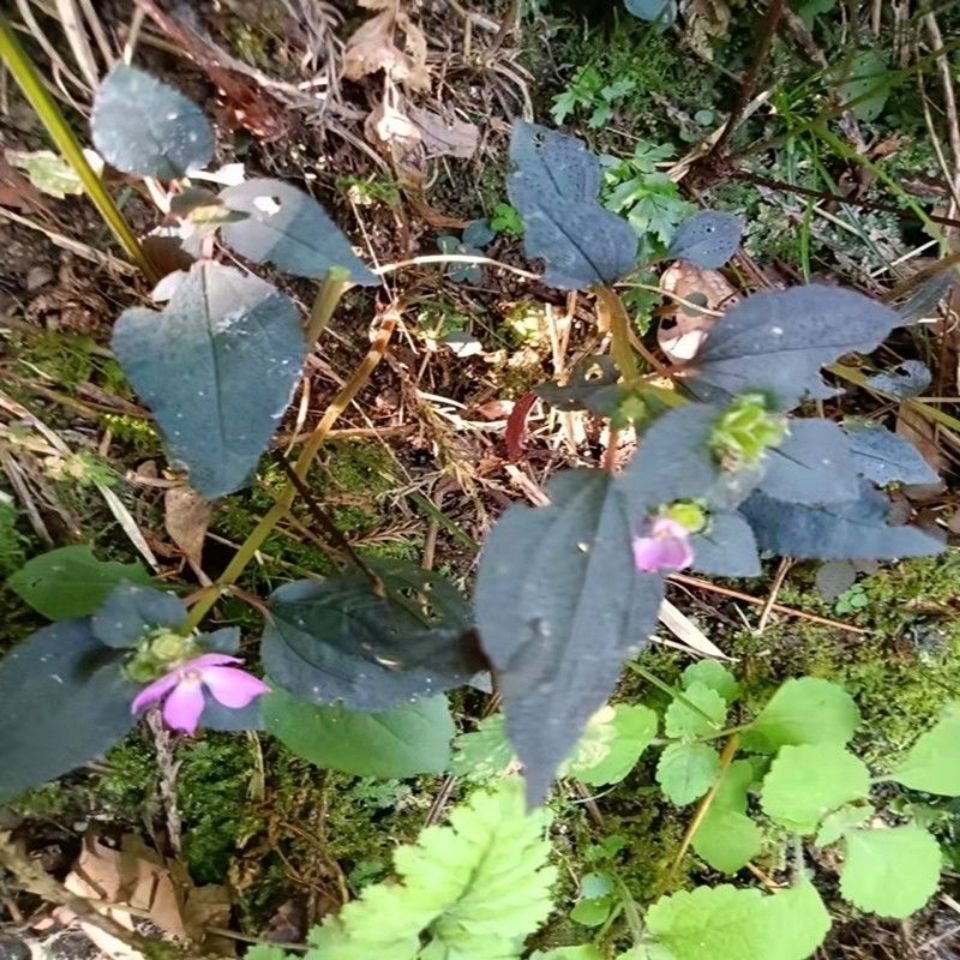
{"x": 555, "y": 187}
{"x": 812, "y": 465}
{"x": 338, "y": 640}
{"x": 290, "y": 229}
{"x": 559, "y": 607}
{"x": 144, "y": 127}
{"x": 707, "y": 240}
{"x": 63, "y": 701}
{"x": 850, "y": 530}
{"x": 217, "y": 366}
{"x": 908, "y": 379}
{"x": 775, "y": 342}
{"x": 885, "y": 457}
{"x": 131, "y": 611}
{"x": 402, "y": 742}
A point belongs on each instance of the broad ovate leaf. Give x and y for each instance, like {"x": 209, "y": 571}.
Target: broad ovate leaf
{"x": 342, "y": 639}
{"x": 634, "y": 729}
{"x": 555, "y": 186}
{"x": 63, "y": 701}
{"x": 775, "y": 342}
{"x": 217, "y": 366}
{"x": 806, "y": 783}
{"x": 892, "y": 872}
{"x": 713, "y": 675}
{"x": 707, "y": 240}
{"x": 403, "y": 742}
{"x": 805, "y": 710}
{"x": 686, "y": 771}
{"x": 812, "y": 465}
{"x": 130, "y": 611}
{"x": 850, "y": 530}
{"x": 559, "y": 607}
{"x": 726, "y": 837}
{"x": 726, "y": 547}
{"x": 933, "y": 762}
{"x": 885, "y": 457}
{"x": 287, "y": 227}
{"x": 71, "y": 582}
{"x": 700, "y": 712}
{"x": 142, "y": 126}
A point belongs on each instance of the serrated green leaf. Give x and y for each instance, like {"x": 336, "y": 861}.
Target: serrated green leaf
{"x": 682, "y": 721}
{"x": 634, "y": 729}
{"x": 404, "y": 742}
{"x": 71, "y": 582}
{"x": 727, "y": 838}
{"x": 484, "y": 754}
{"x": 145, "y": 127}
{"x": 686, "y": 771}
{"x": 891, "y": 872}
{"x": 713, "y": 675}
{"x": 838, "y": 824}
{"x": 586, "y": 951}
{"x": 805, "y": 710}
{"x": 933, "y": 763}
{"x": 477, "y": 887}
{"x": 806, "y": 783}
{"x": 217, "y": 366}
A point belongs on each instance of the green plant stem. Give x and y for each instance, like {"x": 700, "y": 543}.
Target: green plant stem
{"x": 728, "y": 732}
{"x": 18, "y": 63}
{"x": 672, "y": 692}
{"x": 614, "y": 314}
{"x": 630, "y": 911}
{"x": 328, "y": 296}
{"x": 248, "y": 549}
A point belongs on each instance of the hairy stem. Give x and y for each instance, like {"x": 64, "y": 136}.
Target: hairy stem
{"x": 18, "y": 63}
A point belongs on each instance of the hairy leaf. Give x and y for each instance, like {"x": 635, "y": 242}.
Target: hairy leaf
{"x": 478, "y": 888}
{"x": 71, "y": 582}
{"x": 908, "y": 379}
{"x": 726, "y": 547}
{"x": 338, "y": 640}
{"x": 130, "y": 611}
{"x": 403, "y": 742}
{"x": 851, "y": 530}
{"x": 724, "y": 923}
{"x": 63, "y": 701}
{"x": 144, "y": 127}
{"x": 891, "y": 872}
{"x": 559, "y": 606}
{"x": 713, "y": 675}
{"x": 775, "y": 342}
{"x": 707, "y": 240}
{"x": 686, "y": 771}
{"x": 290, "y": 229}
{"x": 805, "y": 783}
{"x": 682, "y": 721}
{"x": 727, "y": 838}
{"x": 812, "y": 465}
{"x": 555, "y": 187}
{"x": 217, "y": 366}
{"x": 884, "y": 457}
{"x": 933, "y": 762}
{"x": 805, "y": 710}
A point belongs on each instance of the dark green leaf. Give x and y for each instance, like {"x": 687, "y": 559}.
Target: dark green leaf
{"x": 71, "y": 582}
{"x": 884, "y": 457}
{"x": 707, "y": 240}
{"x": 559, "y": 606}
{"x": 852, "y": 530}
{"x": 776, "y": 342}
{"x": 289, "y": 228}
{"x": 63, "y": 701}
{"x": 144, "y": 127}
{"x": 410, "y": 740}
{"x": 217, "y": 366}
{"x": 663, "y": 12}
{"x": 555, "y": 188}
{"x": 338, "y": 640}
{"x": 866, "y": 81}
{"x": 131, "y": 611}
{"x": 726, "y": 548}
{"x": 592, "y": 385}
{"x": 812, "y": 465}
{"x": 835, "y": 577}
{"x": 909, "y": 379}
{"x": 231, "y": 719}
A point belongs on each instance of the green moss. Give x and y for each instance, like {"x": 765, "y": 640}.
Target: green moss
{"x": 138, "y": 434}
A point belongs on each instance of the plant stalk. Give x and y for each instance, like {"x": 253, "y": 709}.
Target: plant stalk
{"x": 18, "y": 63}
{"x": 328, "y": 296}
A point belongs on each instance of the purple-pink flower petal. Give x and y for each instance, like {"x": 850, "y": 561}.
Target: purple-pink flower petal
{"x": 233, "y": 688}
{"x": 209, "y": 660}
{"x": 155, "y": 692}
{"x": 182, "y": 709}
{"x": 667, "y": 547}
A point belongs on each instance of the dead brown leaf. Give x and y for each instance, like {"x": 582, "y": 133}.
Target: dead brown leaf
{"x": 186, "y": 518}
{"x": 373, "y": 47}
{"x": 683, "y": 329}
{"x": 442, "y": 137}
{"x": 388, "y": 128}
{"x": 706, "y": 20}
{"x": 915, "y": 427}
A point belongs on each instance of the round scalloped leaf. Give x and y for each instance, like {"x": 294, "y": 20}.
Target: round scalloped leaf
{"x": 892, "y": 872}
{"x": 707, "y": 240}
{"x": 63, "y": 701}
{"x": 404, "y": 742}
{"x": 686, "y": 771}
{"x": 682, "y": 721}
{"x": 290, "y": 229}
{"x": 586, "y": 951}
{"x": 142, "y": 126}
{"x": 713, "y": 675}
{"x": 806, "y": 783}
{"x": 634, "y": 728}
{"x": 805, "y": 710}
{"x": 217, "y": 366}
{"x": 727, "y": 838}
{"x": 131, "y": 611}
{"x": 933, "y": 762}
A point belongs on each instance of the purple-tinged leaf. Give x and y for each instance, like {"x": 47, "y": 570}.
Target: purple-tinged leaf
{"x": 775, "y": 342}
{"x": 559, "y": 607}
{"x": 884, "y": 457}
{"x": 130, "y": 611}
{"x": 726, "y": 548}
{"x": 707, "y": 240}
{"x": 908, "y": 379}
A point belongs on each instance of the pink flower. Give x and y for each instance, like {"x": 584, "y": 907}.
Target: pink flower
{"x": 666, "y": 547}
{"x": 181, "y": 690}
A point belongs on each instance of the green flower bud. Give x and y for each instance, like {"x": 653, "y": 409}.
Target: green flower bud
{"x": 170, "y": 647}
{"x": 687, "y": 513}
{"x": 744, "y": 431}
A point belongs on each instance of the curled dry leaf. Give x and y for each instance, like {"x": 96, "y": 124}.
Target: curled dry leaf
{"x": 186, "y": 518}
{"x": 683, "y": 329}
{"x": 443, "y": 137}
{"x": 387, "y": 127}
{"x": 373, "y": 46}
